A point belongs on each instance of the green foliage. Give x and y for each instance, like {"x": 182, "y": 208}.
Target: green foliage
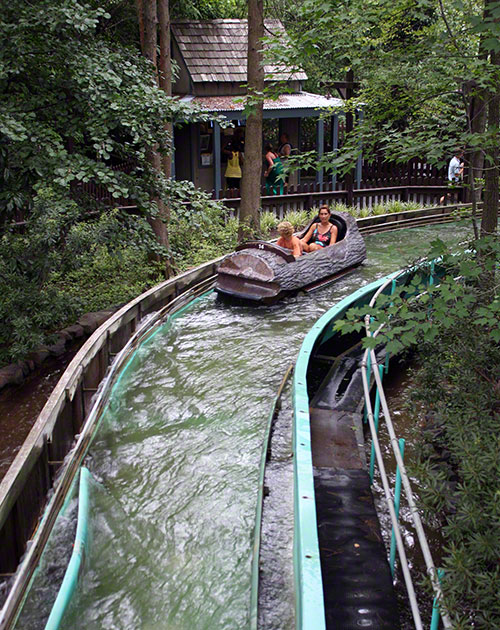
{"x": 77, "y": 101}
{"x": 391, "y": 207}
{"x": 298, "y": 218}
{"x": 268, "y": 222}
{"x": 459, "y": 471}
{"x": 453, "y": 325}
{"x": 64, "y": 264}
{"x": 341, "y": 207}
{"x": 208, "y": 9}
{"x": 199, "y": 230}
{"x": 107, "y": 278}
{"x": 76, "y": 104}
{"x": 418, "y": 68}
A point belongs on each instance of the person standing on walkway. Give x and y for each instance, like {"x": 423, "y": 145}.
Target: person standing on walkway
{"x": 274, "y": 172}
{"x": 456, "y": 167}
{"x": 284, "y": 151}
{"x": 234, "y": 163}
{"x": 455, "y": 176}
{"x": 285, "y": 147}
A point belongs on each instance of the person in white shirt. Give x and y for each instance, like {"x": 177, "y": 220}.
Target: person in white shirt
{"x": 455, "y": 175}
{"x": 456, "y": 167}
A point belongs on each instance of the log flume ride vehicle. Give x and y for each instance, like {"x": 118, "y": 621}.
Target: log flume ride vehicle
{"x": 262, "y": 273}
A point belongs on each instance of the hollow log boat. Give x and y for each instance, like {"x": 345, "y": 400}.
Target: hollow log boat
{"x": 259, "y": 272}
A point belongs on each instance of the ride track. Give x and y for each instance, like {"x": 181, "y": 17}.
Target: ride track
{"x": 70, "y": 467}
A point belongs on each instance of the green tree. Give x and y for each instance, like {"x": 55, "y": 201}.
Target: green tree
{"x": 428, "y": 78}
{"x": 252, "y": 167}
{"x": 79, "y": 107}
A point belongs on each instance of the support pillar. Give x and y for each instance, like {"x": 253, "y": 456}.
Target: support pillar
{"x": 320, "y": 144}
{"x": 217, "y": 160}
{"x": 359, "y": 161}
{"x": 335, "y": 146}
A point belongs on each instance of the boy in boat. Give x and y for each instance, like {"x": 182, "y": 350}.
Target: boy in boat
{"x": 288, "y": 240}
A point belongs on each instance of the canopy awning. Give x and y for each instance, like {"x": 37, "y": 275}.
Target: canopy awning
{"x": 300, "y": 104}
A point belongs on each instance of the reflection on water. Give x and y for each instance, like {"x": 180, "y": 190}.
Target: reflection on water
{"x": 177, "y": 456}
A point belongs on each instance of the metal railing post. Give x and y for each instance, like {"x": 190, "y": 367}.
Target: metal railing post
{"x": 431, "y": 275}
{"x": 435, "y": 605}
{"x": 368, "y": 375}
{"x": 397, "y": 497}
{"x": 387, "y": 355}
{"x": 376, "y": 414}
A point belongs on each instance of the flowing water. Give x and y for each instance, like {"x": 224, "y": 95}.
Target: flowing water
{"x": 176, "y": 458}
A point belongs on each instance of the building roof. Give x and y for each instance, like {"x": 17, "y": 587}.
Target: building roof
{"x": 216, "y": 50}
{"x": 300, "y": 100}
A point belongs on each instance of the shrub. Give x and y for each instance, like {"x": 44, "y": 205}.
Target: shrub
{"x": 66, "y": 264}
{"x": 212, "y": 236}
{"x": 298, "y": 218}
{"x": 268, "y": 222}
{"x": 380, "y": 208}
{"x": 453, "y": 327}
{"x": 342, "y": 207}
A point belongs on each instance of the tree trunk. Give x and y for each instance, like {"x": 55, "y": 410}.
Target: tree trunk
{"x": 165, "y": 71}
{"x": 159, "y": 223}
{"x": 489, "y": 220}
{"x": 252, "y": 166}
{"x": 477, "y": 121}
{"x": 140, "y": 19}
{"x": 150, "y": 36}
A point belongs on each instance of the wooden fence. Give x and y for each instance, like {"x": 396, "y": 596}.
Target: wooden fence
{"x": 381, "y": 182}
{"x": 308, "y": 196}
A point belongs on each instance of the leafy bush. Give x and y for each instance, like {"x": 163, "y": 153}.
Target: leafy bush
{"x": 298, "y": 218}
{"x": 268, "y": 222}
{"x": 380, "y": 208}
{"x": 342, "y": 207}
{"x": 65, "y": 264}
{"x": 453, "y": 327}
{"x": 199, "y": 232}
{"x": 108, "y": 278}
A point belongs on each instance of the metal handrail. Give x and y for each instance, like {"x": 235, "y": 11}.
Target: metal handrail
{"x": 369, "y": 363}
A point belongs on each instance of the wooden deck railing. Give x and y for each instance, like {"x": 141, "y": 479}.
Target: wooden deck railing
{"x": 381, "y": 182}
{"x": 310, "y": 195}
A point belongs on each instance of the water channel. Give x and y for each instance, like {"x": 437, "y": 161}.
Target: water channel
{"x": 175, "y": 462}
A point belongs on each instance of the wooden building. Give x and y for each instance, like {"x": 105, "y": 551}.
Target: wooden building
{"x": 212, "y": 60}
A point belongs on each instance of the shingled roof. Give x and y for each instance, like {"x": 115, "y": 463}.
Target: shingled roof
{"x": 216, "y": 50}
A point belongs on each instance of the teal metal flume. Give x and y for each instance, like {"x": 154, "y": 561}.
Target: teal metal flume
{"x": 75, "y": 566}
{"x": 311, "y": 592}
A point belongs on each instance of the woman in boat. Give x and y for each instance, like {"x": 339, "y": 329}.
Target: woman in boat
{"x": 322, "y": 234}
{"x": 288, "y": 240}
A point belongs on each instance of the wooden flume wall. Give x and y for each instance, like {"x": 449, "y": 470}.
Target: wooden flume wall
{"x": 23, "y": 490}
